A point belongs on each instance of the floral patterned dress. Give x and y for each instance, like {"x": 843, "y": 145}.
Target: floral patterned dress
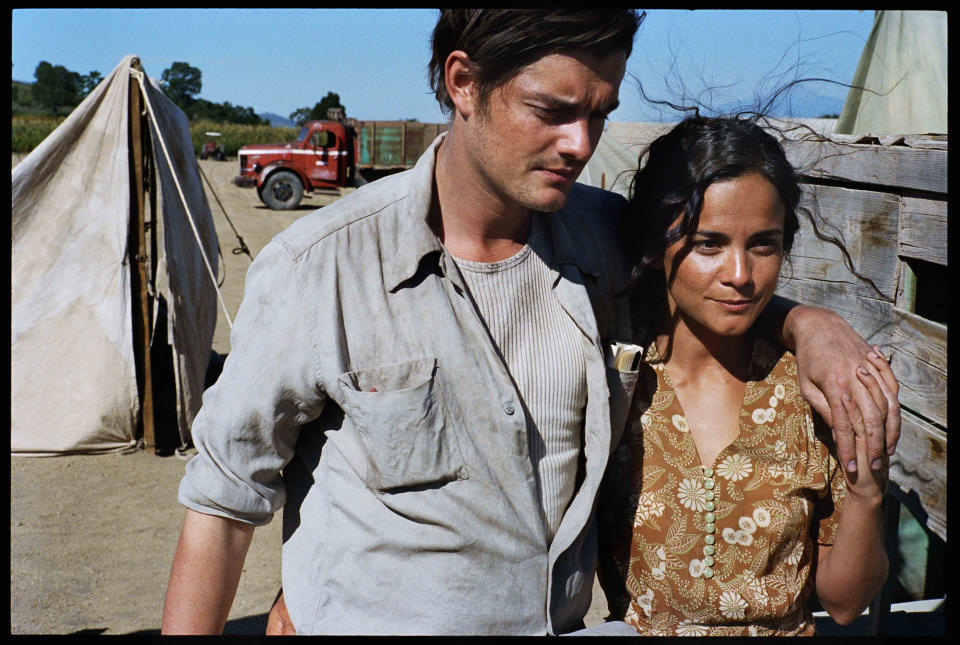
{"x": 690, "y": 550}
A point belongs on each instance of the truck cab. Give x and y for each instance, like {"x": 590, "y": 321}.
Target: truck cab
{"x": 328, "y": 146}
{"x": 331, "y": 154}
{"x": 322, "y": 157}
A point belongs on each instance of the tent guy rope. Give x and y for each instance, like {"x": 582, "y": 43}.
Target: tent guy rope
{"x": 139, "y": 75}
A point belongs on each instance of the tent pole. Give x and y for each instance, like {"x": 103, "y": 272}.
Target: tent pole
{"x": 138, "y": 277}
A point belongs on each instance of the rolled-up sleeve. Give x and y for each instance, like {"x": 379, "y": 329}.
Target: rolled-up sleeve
{"x": 247, "y": 428}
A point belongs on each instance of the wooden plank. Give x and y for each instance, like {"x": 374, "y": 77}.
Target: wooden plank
{"x": 866, "y": 221}
{"x": 896, "y": 166}
{"x": 919, "y": 348}
{"x": 138, "y": 269}
{"x": 938, "y": 141}
{"x": 869, "y": 317}
{"x": 907, "y": 289}
{"x": 923, "y": 229}
{"x": 919, "y": 469}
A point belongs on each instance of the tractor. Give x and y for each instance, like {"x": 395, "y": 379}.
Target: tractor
{"x": 211, "y": 149}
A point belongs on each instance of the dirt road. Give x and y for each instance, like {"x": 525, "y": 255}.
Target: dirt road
{"x": 92, "y": 537}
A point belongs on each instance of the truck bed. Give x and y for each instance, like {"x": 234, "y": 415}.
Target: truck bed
{"x": 394, "y": 144}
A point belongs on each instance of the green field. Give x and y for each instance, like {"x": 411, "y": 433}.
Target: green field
{"x": 28, "y": 131}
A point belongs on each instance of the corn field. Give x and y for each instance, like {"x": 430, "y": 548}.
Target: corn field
{"x": 233, "y": 136}
{"x": 28, "y": 131}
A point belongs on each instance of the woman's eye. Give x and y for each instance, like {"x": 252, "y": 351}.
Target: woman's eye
{"x": 767, "y": 246}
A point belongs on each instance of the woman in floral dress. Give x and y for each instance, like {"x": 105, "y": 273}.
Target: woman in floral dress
{"x": 724, "y": 506}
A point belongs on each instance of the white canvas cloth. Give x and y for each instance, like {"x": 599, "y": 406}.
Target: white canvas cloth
{"x": 905, "y": 63}
{"x": 73, "y": 377}
{"x": 614, "y": 162}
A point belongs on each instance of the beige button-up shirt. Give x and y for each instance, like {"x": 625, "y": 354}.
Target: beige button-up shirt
{"x": 360, "y": 367}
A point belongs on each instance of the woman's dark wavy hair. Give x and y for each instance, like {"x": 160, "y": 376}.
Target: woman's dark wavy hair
{"x": 680, "y": 166}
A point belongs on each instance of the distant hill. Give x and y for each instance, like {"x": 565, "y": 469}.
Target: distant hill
{"x": 277, "y": 121}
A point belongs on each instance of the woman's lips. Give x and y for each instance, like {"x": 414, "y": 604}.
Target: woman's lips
{"x": 734, "y": 305}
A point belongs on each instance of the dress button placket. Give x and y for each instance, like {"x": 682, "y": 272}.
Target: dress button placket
{"x": 709, "y": 523}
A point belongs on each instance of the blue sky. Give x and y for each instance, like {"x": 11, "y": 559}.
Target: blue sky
{"x": 278, "y": 60}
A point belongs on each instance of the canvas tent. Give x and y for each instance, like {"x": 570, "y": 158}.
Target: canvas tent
{"x": 616, "y": 158}
{"x": 114, "y": 260}
{"x": 904, "y": 65}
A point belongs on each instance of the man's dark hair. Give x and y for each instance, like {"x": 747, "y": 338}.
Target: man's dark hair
{"x": 501, "y": 42}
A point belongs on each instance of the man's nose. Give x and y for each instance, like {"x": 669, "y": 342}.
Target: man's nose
{"x": 575, "y": 141}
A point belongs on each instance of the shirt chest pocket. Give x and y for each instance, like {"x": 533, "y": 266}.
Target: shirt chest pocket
{"x": 402, "y": 422}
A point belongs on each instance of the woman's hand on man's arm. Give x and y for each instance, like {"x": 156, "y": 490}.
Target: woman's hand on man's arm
{"x": 829, "y": 354}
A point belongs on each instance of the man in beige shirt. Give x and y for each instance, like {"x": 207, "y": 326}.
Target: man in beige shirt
{"x": 420, "y": 508}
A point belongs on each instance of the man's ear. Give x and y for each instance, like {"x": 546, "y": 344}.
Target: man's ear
{"x": 458, "y": 75}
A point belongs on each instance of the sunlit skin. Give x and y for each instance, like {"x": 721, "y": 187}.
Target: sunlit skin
{"x": 541, "y": 127}
{"x": 721, "y": 284}
{"x": 716, "y": 288}
{"x": 522, "y": 151}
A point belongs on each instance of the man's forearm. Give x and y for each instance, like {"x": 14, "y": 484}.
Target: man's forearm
{"x": 205, "y": 574}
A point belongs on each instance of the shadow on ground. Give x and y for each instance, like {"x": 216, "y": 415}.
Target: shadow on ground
{"x": 899, "y": 623}
{"x": 248, "y": 626}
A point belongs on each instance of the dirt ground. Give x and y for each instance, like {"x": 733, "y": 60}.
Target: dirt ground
{"x": 92, "y": 536}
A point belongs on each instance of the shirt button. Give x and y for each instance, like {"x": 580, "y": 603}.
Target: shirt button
{"x": 508, "y": 407}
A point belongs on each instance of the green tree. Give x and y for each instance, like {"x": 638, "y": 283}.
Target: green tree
{"x": 90, "y": 81}
{"x": 331, "y": 100}
{"x": 56, "y": 87}
{"x": 319, "y": 111}
{"x": 181, "y": 82}
{"x": 300, "y": 116}
{"x": 203, "y": 110}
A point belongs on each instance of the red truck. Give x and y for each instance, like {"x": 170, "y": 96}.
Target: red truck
{"x": 333, "y": 154}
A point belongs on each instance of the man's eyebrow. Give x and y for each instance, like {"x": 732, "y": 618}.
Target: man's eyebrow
{"x": 556, "y": 102}
{"x": 552, "y": 101}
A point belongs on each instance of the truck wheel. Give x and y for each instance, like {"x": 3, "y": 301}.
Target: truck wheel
{"x": 282, "y": 191}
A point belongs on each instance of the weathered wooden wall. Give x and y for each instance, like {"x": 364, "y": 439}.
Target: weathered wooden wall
{"x": 888, "y": 199}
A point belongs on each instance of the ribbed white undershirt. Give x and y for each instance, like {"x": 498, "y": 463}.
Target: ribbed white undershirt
{"x": 543, "y": 350}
